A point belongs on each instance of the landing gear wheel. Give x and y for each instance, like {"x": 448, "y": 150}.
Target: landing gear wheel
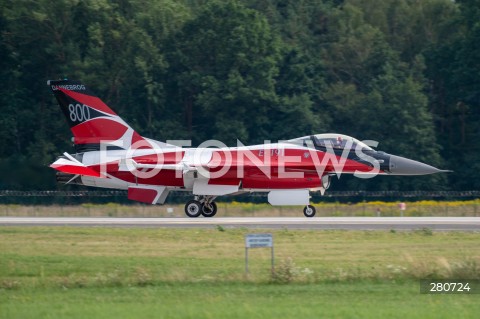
{"x": 209, "y": 210}
{"x": 309, "y": 211}
{"x": 193, "y": 208}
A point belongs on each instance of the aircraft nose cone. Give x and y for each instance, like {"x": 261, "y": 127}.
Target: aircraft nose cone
{"x": 404, "y": 166}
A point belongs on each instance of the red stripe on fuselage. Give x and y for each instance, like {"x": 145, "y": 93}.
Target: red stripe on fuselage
{"x": 160, "y": 178}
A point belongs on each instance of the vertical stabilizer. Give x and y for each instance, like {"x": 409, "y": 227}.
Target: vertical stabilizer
{"x": 91, "y": 121}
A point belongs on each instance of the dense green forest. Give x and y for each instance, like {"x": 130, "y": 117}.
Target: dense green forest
{"x": 402, "y": 72}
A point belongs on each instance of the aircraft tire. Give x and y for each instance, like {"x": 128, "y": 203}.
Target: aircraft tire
{"x": 209, "y": 212}
{"x": 309, "y": 211}
{"x": 193, "y": 208}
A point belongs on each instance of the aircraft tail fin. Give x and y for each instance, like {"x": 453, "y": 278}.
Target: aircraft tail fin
{"x": 91, "y": 121}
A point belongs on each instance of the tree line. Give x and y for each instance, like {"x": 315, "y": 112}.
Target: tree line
{"x": 402, "y": 72}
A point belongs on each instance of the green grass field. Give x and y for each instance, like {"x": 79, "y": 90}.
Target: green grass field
{"x": 62, "y": 272}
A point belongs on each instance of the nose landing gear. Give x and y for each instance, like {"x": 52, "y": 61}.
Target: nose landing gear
{"x": 201, "y": 206}
{"x": 309, "y": 211}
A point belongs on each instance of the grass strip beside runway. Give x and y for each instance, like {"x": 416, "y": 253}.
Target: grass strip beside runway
{"x": 66, "y": 272}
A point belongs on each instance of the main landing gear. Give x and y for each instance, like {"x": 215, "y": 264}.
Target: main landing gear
{"x": 309, "y": 211}
{"x": 201, "y": 206}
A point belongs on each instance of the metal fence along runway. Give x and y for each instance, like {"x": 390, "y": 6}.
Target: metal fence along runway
{"x": 345, "y": 223}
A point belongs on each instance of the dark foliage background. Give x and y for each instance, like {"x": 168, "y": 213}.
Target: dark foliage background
{"x": 402, "y": 72}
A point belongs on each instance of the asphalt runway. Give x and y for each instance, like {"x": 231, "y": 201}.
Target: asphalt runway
{"x": 316, "y": 223}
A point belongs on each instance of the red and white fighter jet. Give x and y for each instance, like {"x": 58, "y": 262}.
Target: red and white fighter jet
{"x": 110, "y": 154}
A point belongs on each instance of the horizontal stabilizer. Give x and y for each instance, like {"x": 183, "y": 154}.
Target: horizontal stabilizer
{"x": 74, "y": 167}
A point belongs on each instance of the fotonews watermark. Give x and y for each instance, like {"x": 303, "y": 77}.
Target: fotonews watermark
{"x": 212, "y": 159}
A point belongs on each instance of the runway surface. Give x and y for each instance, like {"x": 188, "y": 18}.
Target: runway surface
{"x": 347, "y": 223}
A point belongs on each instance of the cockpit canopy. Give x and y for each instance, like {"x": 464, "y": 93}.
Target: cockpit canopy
{"x": 336, "y": 141}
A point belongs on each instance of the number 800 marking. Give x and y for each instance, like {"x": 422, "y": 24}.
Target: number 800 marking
{"x": 79, "y": 112}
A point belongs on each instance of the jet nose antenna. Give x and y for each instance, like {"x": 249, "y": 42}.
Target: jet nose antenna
{"x": 404, "y": 166}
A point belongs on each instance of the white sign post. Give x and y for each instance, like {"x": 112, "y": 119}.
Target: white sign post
{"x": 402, "y": 207}
{"x": 258, "y": 241}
